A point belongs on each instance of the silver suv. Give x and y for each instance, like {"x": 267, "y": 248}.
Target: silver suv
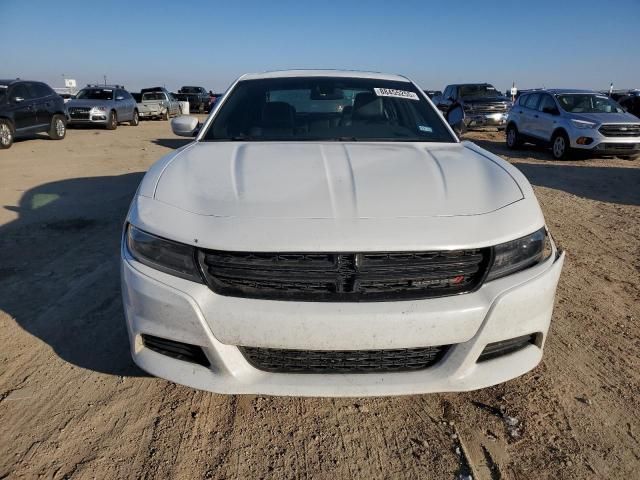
{"x": 573, "y": 121}
{"x": 106, "y": 105}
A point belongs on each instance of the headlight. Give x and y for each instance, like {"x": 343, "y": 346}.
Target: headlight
{"x": 583, "y": 124}
{"x": 525, "y": 252}
{"x": 99, "y": 109}
{"x": 170, "y": 257}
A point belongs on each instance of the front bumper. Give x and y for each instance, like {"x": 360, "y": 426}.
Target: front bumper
{"x": 602, "y": 145}
{"x": 151, "y": 113}
{"x": 94, "y": 119}
{"x": 172, "y": 308}
{"x": 484, "y": 120}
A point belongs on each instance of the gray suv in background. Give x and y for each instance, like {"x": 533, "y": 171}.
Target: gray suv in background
{"x": 106, "y": 105}
{"x": 573, "y": 121}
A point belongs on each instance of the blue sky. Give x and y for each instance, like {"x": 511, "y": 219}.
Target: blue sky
{"x": 562, "y": 43}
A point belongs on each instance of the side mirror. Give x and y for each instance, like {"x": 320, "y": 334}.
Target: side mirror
{"x": 185, "y": 126}
{"x": 450, "y": 99}
{"x": 455, "y": 118}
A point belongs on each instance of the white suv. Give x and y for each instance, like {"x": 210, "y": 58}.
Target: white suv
{"x": 572, "y": 121}
{"x": 327, "y": 234}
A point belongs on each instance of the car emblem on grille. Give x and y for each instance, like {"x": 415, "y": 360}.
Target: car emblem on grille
{"x": 624, "y": 129}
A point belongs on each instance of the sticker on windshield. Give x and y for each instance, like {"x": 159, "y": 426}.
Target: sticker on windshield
{"x": 425, "y": 129}
{"x": 392, "y": 92}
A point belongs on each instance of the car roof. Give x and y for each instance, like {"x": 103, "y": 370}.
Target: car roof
{"x": 323, "y": 73}
{"x": 568, "y": 90}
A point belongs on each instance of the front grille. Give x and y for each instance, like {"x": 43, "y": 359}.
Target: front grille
{"x": 488, "y": 108}
{"x": 79, "y": 113}
{"x": 623, "y": 130}
{"x": 618, "y": 147}
{"x": 344, "y": 277}
{"x": 343, "y": 361}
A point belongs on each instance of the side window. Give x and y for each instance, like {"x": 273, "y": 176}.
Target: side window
{"x": 41, "y": 90}
{"x": 447, "y": 92}
{"x": 454, "y": 92}
{"x": 547, "y": 103}
{"x": 21, "y": 91}
{"x": 522, "y": 100}
{"x": 532, "y": 101}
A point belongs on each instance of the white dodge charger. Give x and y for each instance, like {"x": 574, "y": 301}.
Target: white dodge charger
{"x": 327, "y": 234}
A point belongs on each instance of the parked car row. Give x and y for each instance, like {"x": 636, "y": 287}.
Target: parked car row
{"x": 28, "y": 107}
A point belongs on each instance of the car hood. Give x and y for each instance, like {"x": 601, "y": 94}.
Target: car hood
{"x": 605, "y": 117}
{"x": 88, "y": 103}
{"x": 335, "y": 180}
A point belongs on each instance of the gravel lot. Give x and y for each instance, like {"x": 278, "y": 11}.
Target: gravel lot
{"x": 73, "y": 405}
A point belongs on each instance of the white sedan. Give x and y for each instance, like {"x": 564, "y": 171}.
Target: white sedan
{"x": 327, "y": 234}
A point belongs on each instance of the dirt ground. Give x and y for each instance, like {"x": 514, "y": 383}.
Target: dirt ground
{"x": 73, "y": 405}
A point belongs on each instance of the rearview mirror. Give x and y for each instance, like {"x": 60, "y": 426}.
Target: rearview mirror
{"x": 18, "y": 99}
{"x": 119, "y": 98}
{"x": 185, "y": 126}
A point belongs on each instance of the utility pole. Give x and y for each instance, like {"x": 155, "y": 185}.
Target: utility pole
{"x": 105, "y": 80}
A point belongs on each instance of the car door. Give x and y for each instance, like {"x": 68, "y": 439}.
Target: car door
{"x": 123, "y": 106}
{"x": 44, "y": 102}
{"x": 547, "y": 119}
{"x": 529, "y": 114}
{"x": 23, "y": 106}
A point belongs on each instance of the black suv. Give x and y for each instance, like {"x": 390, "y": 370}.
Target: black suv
{"x": 482, "y": 104}
{"x": 28, "y": 107}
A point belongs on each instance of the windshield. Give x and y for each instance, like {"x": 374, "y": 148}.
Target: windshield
{"x": 153, "y": 96}
{"x": 588, "y": 103}
{"x": 483, "y": 90}
{"x": 3, "y": 91}
{"x": 190, "y": 90}
{"x": 327, "y": 108}
{"x": 95, "y": 94}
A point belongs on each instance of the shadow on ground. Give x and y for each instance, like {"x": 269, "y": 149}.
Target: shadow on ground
{"x": 59, "y": 269}
{"x": 605, "y": 184}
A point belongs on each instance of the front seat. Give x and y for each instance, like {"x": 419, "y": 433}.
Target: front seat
{"x": 367, "y": 108}
{"x": 278, "y": 118}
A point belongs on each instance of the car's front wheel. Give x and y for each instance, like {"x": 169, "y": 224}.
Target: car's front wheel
{"x": 560, "y": 147}
{"x": 112, "y": 122}
{"x": 6, "y": 133}
{"x": 58, "y": 128}
{"x": 513, "y": 138}
{"x": 165, "y": 115}
{"x": 135, "y": 120}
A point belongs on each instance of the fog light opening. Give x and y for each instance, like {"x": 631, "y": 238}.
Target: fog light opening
{"x": 584, "y": 141}
{"x": 178, "y": 350}
{"x": 505, "y": 347}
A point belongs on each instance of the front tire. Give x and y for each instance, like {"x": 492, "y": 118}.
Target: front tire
{"x": 6, "y": 134}
{"x": 513, "y": 137}
{"x": 135, "y": 121}
{"x": 112, "y": 122}
{"x": 560, "y": 146}
{"x": 58, "y": 128}
{"x": 165, "y": 115}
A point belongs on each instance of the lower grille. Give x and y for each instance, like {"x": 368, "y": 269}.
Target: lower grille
{"x": 623, "y": 130}
{"x": 343, "y": 361}
{"x": 344, "y": 277}
{"x": 178, "y": 350}
{"x": 79, "y": 113}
